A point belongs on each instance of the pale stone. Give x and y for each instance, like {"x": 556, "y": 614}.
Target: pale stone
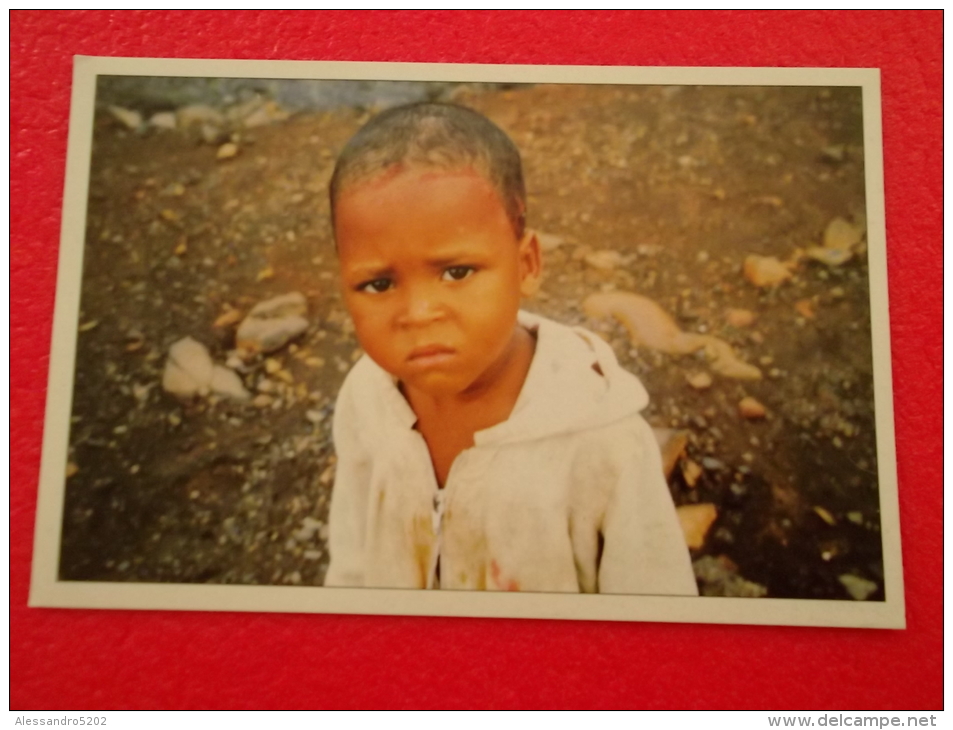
{"x": 859, "y": 589}
{"x": 751, "y": 408}
{"x": 829, "y": 256}
{"x": 764, "y": 271}
{"x": 127, "y": 117}
{"x": 226, "y": 382}
{"x": 188, "y": 370}
{"x": 672, "y": 445}
{"x": 163, "y": 120}
{"x": 227, "y": 151}
{"x": 740, "y": 317}
{"x": 699, "y": 381}
{"x": 199, "y": 114}
{"x": 696, "y": 520}
{"x": 605, "y": 260}
{"x": 273, "y": 323}
{"x": 842, "y": 235}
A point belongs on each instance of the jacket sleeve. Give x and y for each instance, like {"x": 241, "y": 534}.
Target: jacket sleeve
{"x": 347, "y": 522}
{"x": 644, "y": 550}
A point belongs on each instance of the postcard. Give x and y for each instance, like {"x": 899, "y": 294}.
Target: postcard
{"x": 509, "y": 341}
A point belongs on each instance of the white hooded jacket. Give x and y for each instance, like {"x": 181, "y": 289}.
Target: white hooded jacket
{"x": 566, "y": 495}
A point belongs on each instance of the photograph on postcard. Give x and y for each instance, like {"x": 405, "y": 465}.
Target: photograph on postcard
{"x": 534, "y": 337}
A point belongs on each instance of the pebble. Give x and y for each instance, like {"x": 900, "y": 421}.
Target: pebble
{"x": 833, "y": 153}
{"x": 739, "y": 317}
{"x": 262, "y": 400}
{"x": 198, "y": 114}
{"x": 829, "y": 256}
{"x": 691, "y": 471}
{"x": 699, "y": 381}
{"x": 227, "y": 383}
{"x": 696, "y": 520}
{"x": 719, "y": 577}
{"x": 127, "y": 117}
{"x": 859, "y": 589}
{"x": 825, "y": 515}
{"x": 273, "y": 323}
{"x": 712, "y": 464}
{"x": 750, "y": 408}
{"x": 228, "y": 318}
{"x": 71, "y": 469}
{"x": 227, "y": 151}
{"x": 840, "y": 234}
{"x": 856, "y": 517}
{"x": 605, "y": 260}
{"x": 548, "y": 242}
{"x": 272, "y": 366}
{"x": 765, "y": 271}
{"x": 188, "y": 370}
{"x": 163, "y": 120}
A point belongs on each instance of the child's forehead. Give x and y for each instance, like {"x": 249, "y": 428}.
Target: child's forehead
{"x": 411, "y": 174}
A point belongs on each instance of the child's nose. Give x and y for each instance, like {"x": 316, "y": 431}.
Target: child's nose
{"x": 420, "y": 307}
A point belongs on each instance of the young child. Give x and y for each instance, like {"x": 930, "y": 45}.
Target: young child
{"x": 479, "y": 447}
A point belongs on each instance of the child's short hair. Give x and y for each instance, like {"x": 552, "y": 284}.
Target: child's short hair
{"x": 441, "y": 136}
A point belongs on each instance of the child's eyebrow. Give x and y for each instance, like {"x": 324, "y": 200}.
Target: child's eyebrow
{"x": 369, "y": 271}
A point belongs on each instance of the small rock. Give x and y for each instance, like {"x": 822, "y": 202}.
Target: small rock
{"x": 273, "y": 323}
{"x": 163, "y": 120}
{"x": 805, "y": 307}
{"x": 227, "y": 383}
{"x": 672, "y": 444}
{"x": 188, "y": 370}
{"x": 212, "y": 134}
{"x": 825, "y": 515}
{"x": 199, "y": 114}
{"x": 765, "y": 271}
{"x": 549, "y": 242}
{"x": 719, "y": 577}
{"x": 691, "y": 471}
{"x": 840, "y": 234}
{"x": 751, "y": 408}
{"x": 314, "y": 416}
{"x": 605, "y": 260}
{"x": 71, "y": 469}
{"x": 859, "y": 589}
{"x": 312, "y": 555}
{"x": 262, "y": 400}
{"x": 712, "y": 464}
{"x": 829, "y": 256}
{"x": 226, "y": 319}
{"x": 696, "y": 520}
{"x": 272, "y": 365}
{"x": 699, "y": 381}
{"x": 739, "y": 317}
{"x": 227, "y": 151}
{"x": 127, "y": 117}
{"x": 856, "y": 517}
{"x": 833, "y": 153}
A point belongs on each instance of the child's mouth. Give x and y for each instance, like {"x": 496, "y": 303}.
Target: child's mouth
{"x": 427, "y": 356}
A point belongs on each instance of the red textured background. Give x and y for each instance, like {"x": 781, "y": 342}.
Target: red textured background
{"x": 149, "y": 660}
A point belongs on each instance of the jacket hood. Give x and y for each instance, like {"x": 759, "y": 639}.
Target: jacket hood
{"x": 563, "y": 393}
{"x": 574, "y": 384}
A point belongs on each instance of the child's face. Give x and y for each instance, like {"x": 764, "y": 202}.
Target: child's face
{"x": 433, "y": 274}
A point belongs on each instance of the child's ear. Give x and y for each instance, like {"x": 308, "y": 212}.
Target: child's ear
{"x": 531, "y": 263}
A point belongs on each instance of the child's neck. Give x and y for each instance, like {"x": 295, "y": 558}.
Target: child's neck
{"x": 449, "y": 422}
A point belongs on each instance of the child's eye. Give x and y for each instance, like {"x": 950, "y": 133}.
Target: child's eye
{"x": 377, "y": 286}
{"x": 457, "y": 273}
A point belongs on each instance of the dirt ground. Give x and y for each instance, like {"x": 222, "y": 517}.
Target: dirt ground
{"x": 683, "y": 183}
